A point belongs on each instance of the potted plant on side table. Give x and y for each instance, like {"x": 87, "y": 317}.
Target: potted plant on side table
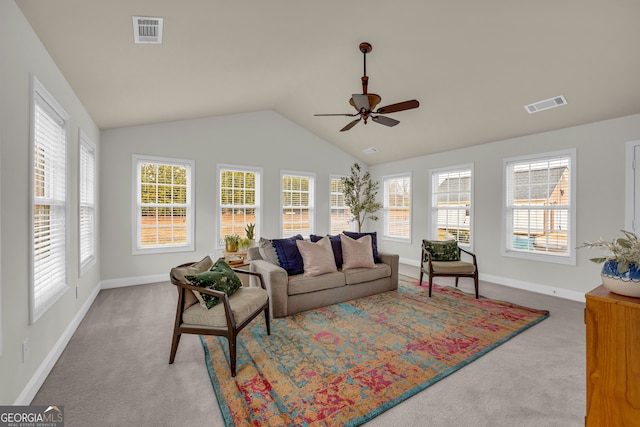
{"x": 620, "y": 272}
{"x": 231, "y": 242}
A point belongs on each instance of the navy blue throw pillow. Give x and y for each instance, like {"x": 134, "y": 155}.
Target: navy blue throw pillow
{"x": 335, "y": 245}
{"x": 289, "y": 255}
{"x": 374, "y": 242}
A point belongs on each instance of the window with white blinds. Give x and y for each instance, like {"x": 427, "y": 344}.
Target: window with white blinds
{"x": 297, "y": 204}
{"x": 451, "y": 204}
{"x": 49, "y": 201}
{"x": 397, "y": 207}
{"x": 340, "y": 219}
{"x": 239, "y": 200}
{"x": 163, "y": 218}
{"x": 87, "y": 178}
{"x": 540, "y": 207}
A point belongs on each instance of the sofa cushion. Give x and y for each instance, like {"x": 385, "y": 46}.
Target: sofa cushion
{"x": 289, "y": 255}
{"x": 299, "y": 284}
{"x": 317, "y": 257}
{"x": 336, "y": 246}
{"x": 356, "y": 253}
{"x": 243, "y": 302}
{"x": 442, "y": 250}
{"x": 204, "y": 264}
{"x": 267, "y": 251}
{"x": 355, "y": 276}
{"x": 374, "y": 241}
{"x": 220, "y": 278}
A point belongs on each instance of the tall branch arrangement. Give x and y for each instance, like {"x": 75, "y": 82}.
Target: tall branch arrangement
{"x": 360, "y": 195}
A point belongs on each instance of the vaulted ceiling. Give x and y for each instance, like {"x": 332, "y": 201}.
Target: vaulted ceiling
{"x": 472, "y": 65}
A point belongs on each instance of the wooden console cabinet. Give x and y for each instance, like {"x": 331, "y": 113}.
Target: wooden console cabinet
{"x": 613, "y": 359}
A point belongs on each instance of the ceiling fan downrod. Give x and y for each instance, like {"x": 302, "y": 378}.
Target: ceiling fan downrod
{"x": 365, "y": 48}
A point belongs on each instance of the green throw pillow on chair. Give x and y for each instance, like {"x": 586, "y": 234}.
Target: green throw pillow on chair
{"x": 220, "y": 278}
{"x": 442, "y": 250}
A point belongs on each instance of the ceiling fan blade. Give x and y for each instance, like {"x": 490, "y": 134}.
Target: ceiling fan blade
{"x": 361, "y": 101}
{"x": 350, "y": 125}
{"x": 345, "y": 114}
{"x": 387, "y": 121}
{"x": 400, "y": 106}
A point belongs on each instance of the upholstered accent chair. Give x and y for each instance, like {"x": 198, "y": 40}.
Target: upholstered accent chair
{"x": 444, "y": 258}
{"x": 226, "y": 319}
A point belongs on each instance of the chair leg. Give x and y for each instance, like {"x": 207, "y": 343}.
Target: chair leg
{"x": 475, "y": 281}
{"x": 430, "y": 284}
{"x": 174, "y": 346}
{"x": 457, "y": 281}
{"x": 232, "y": 354}
{"x": 267, "y": 320}
{"x": 421, "y": 274}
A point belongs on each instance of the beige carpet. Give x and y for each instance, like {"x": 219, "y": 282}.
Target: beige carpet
{"x": 115, "y": 370}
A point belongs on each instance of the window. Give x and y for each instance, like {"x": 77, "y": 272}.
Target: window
{"x": 87, "y": 180}
{"x": 297, "y": 204}
{"x": 451, "y": 204}
{"x": 540, "y": 207}
{"x": 397, "y": 207}
{"x": 340, "y": 212}
{"x": 163, "y": 205}
{"x": 239, "y": 200}
{"x": 49, "y": 201}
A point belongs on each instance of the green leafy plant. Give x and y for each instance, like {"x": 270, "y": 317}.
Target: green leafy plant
{"x": 623, "y": 250}
{"x": 245, "y": 242}
{"x": 360, "y": 195}
{"x": 249, "y": 230}
{"x": 232, "y": 241}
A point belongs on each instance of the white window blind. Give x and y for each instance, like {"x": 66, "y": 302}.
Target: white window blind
{"x": 340, "y": 212}
{"x": 239, "y": 200}
{"x": 297, "y": 204}
{"x": 397, "y": 207}
{"x": 87, "y": 174}
{"x": 539, "y": 206}
{"x": 49, "y": 170}
{"x": 451, "y": 192}
{"x": 163, "y": 205}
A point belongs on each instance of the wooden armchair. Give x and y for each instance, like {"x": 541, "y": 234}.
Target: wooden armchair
{"x": 226, "y": 319}
{"x": 434, "y": 265}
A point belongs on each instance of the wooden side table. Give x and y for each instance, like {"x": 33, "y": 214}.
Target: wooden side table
{"x": 613, "y": 359}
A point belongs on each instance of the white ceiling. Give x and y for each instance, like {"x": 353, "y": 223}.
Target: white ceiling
{"x": 472, "y": 64}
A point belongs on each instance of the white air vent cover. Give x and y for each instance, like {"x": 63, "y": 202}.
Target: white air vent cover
{"x": 370, "y": 150}
{"x": 556, "y": 101}
{"x": 147, "y": 29}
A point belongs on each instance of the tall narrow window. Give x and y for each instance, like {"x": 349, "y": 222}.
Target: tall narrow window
{"x": 340, "y": 212}
{"x": 163, "y": 205}
{"x": 239, "y": 200}
{"x": 397, "y": 207}
{"x": 87, "y": 172}
{"x": 49, "y": 201}
{"x": 297, "y": 204}
{"x": 540, "y": 207}
{"x": 451, "y": 204}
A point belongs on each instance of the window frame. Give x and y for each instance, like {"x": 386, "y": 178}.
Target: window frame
{"x": 55, "y": 289}
{"x": 311, "y": 207}
{"x": 386, "y": 208}
{"x": 435, "y": 176}
{"x": 86, "y": 143}
{"x": 507, "y": 219}
{"x": 350, "y": 223}
{"x": 137, "y": 249}
{"x": 220, "y": 244}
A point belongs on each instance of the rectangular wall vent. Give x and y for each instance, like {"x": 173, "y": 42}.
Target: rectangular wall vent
{"x": 370, "y": 150}
{"x": 556, "y": 101}
{"x": 147, "y": 29}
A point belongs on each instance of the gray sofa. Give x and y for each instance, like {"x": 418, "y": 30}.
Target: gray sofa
{"x": 296, "y": 293}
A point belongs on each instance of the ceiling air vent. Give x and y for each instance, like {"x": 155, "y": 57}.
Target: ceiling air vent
{"x": 370, "y": 150}
{"x": 556, "y": 101}
{"x": 147, "y": 29}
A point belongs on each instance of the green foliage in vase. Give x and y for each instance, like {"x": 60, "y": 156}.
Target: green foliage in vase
{"x": 623, "y": 250}
{"x": 249, "y": 230}
{"x": 360, "y": 195}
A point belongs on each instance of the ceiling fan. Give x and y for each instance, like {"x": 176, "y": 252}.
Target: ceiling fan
{"x": 365, "y": 103}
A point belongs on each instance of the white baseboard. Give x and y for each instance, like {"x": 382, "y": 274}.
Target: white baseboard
{"x": 43, "y": 371}
{"x": 130, "y": 281}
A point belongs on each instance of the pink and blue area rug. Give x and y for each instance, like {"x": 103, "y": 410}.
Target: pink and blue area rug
{"x": 345, "y": 364}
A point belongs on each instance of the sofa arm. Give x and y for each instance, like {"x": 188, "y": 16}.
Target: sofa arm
{"x": 276, "y": 280}
{"x": 393, "y": 261}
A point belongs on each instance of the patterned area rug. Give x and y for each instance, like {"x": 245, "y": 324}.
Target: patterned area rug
{"x": 347, "y": 363}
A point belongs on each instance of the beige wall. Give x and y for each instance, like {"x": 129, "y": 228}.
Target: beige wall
{"x": 600, "y": 157}
{"x": 22, "y": 55}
